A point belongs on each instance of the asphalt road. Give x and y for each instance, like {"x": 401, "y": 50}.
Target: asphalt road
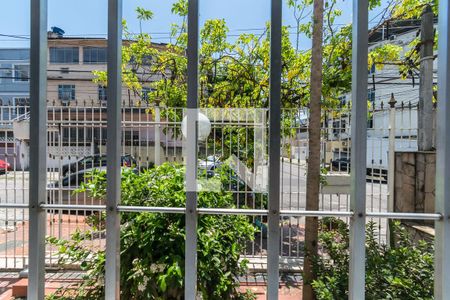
{"x": 14, "y": 189}
{"x": 293, "y": 190}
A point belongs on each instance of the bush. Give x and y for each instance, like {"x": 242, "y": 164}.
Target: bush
{"x": 401, "y": 272}
{"x": 152, "y": 244}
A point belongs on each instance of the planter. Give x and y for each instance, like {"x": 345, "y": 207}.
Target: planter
{"x": 336, "y": 184}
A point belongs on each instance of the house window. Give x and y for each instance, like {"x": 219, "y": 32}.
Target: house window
{"x": 21, "y": 73}
{"x": 339, "y": 127}
{"x": 94, "y": 55}
{"x": 66, "y": 92}
{"x": 102, "y": 96}
{"x": 371, "y": 95}
{"x": 64, "y": 55}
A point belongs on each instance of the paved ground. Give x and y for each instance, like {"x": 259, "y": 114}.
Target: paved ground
{"x": 290, "y": 284}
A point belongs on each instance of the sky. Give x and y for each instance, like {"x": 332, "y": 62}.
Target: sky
{"x": 88, "y": 18}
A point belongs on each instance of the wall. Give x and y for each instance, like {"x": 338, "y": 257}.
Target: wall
{"x": 415, "y": 174}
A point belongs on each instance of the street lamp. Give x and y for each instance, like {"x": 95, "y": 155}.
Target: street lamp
{"x": 203, "y": 127}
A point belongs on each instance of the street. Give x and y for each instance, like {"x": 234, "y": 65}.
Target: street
{"x": 14, "y": 189}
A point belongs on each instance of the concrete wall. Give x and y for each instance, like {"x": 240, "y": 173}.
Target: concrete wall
{"x": 415, "y": 174}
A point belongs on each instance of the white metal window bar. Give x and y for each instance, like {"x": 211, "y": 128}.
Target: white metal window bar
{"x": 37, "y": 207}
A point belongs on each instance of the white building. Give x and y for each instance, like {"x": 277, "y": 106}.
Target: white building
{"x": 382, "y": 83}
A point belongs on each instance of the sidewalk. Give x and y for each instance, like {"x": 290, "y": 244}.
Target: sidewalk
{"x": 12, "y": 287}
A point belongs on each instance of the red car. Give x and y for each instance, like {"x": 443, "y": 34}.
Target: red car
{"x": 4, "y": 167}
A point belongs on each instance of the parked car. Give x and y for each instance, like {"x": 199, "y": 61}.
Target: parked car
{"x": 341, "y": 164}
{"x": 4, "y": 167}
{"x": 210, "y": 163}
{"x": 95, "y": 161}
{"x": 64, "y": 191}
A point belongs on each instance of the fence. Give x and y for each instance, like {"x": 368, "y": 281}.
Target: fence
{"x": 76, "y": 141}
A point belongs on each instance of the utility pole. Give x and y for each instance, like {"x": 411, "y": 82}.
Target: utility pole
{"x": 425, "y": 113}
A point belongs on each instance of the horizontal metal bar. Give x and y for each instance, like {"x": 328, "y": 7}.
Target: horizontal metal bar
{"x": 231, "y": 211}
{"x": 74, "y": 207}
{"x": 315, "y": 213}
{"x": 234, "y": 211}
{"x": 409, "y": 216}
{"x": 14, "y": 205}
{"x": 154, "y": 209}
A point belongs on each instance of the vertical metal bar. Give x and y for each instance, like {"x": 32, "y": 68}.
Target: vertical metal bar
{"x": 112, "y": 268}
{"x": 190, "y": 287}
{"x": 38, "y": 149}
{"x": 442, "y": 239}
{"x": 359, "y": 149}
{"x": 273, "y": 245}
{"x": 157, "y": 135}
{"x": 391, "y": 169}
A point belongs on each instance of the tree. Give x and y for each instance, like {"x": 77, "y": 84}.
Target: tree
{"x": 143, "y": 15}
{"x": 235, "y": 74}
{"x": 313, "y": 172}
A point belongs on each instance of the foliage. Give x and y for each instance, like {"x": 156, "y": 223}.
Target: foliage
{"x": 401, "y": 272}
{"x": 409, "y": 10}
{"x": 152, "y": 244}
{"x": 236, "y": 74}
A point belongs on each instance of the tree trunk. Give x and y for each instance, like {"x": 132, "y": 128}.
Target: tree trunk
{"x": 313, "y": 171}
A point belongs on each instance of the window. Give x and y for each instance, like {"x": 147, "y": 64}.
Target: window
{"x": 131, "y": 136}
{"x": 94, "y": 55}
{"x": 64, "y": 55}
{"x": 102, "y": 96}
{"x": 21, "y": 73}
{"x": 339, "y": 127}
{"x": 66, "y": 92}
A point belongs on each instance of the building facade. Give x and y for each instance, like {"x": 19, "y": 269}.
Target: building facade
{"x": 14, "y": 81}
{"x": 76, "y": 104}
{"x": 71, "y": 63}
{"x": 383, "y": 82}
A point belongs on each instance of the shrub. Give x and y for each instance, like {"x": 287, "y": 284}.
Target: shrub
{"x": 401, "y": 272}
{"x": 152, "y": 244}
